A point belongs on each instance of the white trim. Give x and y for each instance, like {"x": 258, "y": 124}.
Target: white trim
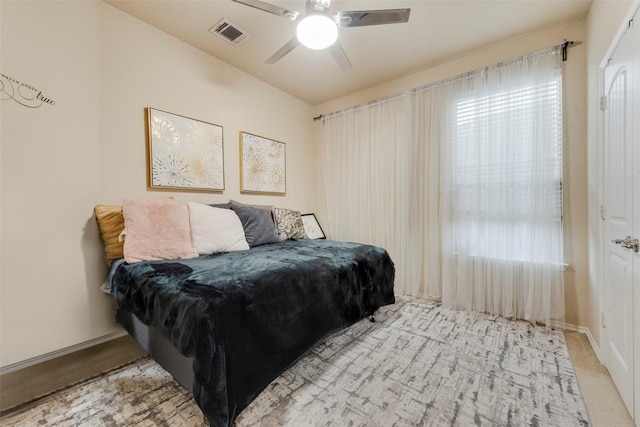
{"x": 600, "y": 250}
{"x": 633, "y": 9}
{"x": 594, "y": 345}
{"x": 582, "y": 330}
{"x": 62, "y": 352}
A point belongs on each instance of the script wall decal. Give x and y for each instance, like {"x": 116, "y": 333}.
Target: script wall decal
{"x": 22, "y": 93}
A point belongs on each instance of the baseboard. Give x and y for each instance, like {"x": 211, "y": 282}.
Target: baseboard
{"x": 582, "y": 330}
{"x": 62, "y": 352}
{"x": 594, "y": 345}
{"x": 34, "y": 378}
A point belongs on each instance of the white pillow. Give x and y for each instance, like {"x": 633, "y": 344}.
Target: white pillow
{"x": 215, "y": 230}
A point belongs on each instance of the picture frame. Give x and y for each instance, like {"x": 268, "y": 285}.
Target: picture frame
{"x": 183, "y": 154}
{"x": 262, "y": 165}
{"x": 312, "y": 227}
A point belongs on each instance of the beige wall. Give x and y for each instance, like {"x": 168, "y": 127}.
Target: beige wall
{"x": 102, "y": 68}
{"x": 577, "y": 298}
{"x": 604, "y": 21}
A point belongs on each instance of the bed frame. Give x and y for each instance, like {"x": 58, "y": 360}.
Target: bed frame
{"x": 161, "y": 350}
{"x": 246, "y": 316}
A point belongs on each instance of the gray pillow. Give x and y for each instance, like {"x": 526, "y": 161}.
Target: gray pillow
{"x": 222, "y": 205}
{"x": 259, "y": 228}
{"x": 267, "y": 208}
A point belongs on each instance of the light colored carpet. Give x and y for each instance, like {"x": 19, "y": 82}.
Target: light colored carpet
{"x": 419, "y": 364}
{"x": 603, "y": 402}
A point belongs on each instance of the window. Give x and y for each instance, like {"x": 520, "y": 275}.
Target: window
{"x": 507, "y": 168}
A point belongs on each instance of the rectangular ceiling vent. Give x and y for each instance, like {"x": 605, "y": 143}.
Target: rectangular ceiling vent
{"x": 229, "y": 32}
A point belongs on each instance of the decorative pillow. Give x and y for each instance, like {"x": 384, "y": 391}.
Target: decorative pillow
{"x": 111, "y": 223}
{"x": 289, "y": 224}
{"x": 215, "y": 229}
{"x": 258, "y": 225}
{"x": 156, "y": 230}
{"x": 267, "y": 208}
{"x": 221, "y": 205}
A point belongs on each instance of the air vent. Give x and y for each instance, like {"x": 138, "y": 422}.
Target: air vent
{"x": 229, "y": 32}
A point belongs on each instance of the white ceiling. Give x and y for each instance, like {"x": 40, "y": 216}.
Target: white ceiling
{"x": 436, "y": 31}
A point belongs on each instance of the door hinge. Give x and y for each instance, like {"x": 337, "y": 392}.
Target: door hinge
{"x": 603, "y": 103}
{"x": 604, "y": 325}
{"x": 602, "y": 217}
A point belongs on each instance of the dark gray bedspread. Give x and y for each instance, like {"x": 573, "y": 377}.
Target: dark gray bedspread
{"x": 247, "y": 316}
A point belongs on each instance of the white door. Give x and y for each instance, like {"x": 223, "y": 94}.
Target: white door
{"x": 622, "y": 217}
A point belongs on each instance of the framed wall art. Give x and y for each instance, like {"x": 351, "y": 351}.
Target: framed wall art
{"x": 262, "y": 165}
{"x": 312, "y": 227}
{"x": 183, "y": 153}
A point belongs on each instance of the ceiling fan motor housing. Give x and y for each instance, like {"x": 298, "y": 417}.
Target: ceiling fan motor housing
{"x": 320, "y": 5}
{"x": 319, "y": 9}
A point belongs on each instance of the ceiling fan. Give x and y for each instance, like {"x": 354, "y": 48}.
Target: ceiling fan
{"x": 319, "y": 30}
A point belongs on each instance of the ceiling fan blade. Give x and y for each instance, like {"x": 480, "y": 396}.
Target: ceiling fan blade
{"x": 340, "y": 56}
{"x": 362, "y": 18}
{"x": 271, "y": 8}
{"x": 288, "y": 47}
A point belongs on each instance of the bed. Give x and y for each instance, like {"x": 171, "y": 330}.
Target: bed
{"x": 226, "y": 325}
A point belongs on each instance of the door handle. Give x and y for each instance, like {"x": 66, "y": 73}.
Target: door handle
{"x": 628, "y": 243}
{"x": 631, "y": 244}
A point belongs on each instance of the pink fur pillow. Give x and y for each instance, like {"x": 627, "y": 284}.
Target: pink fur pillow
{"x": 156, "y": 230}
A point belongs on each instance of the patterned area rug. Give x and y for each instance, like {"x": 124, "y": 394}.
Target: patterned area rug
{"x": 419, "y": 364}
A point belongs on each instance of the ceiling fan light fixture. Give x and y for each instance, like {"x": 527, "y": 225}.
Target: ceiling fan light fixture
{"x": 317, "y": 32}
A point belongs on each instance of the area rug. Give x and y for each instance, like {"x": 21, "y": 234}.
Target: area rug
{"x": 418, "y": 364}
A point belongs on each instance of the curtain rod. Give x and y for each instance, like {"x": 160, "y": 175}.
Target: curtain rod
{"x": 564, "y": 46}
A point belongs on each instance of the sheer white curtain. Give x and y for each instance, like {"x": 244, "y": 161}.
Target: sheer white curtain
{"x": 376, "y": 165}
{"x": 502, "y": 191}
{"x": 461, "y": 182}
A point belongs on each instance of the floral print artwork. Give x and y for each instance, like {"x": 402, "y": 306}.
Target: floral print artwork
{"x": 263, "y": 164}
{"x": 185, "y": 153}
